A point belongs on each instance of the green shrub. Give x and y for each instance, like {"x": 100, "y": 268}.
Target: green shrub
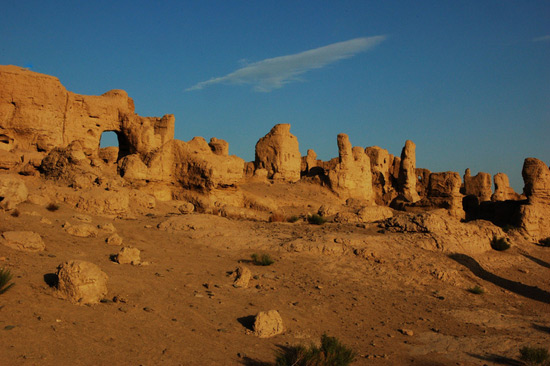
{"x": 52, "y": 207}
{"x": 534, "y": 356}
{"x": 476, "y": 290}
{"x": 262, "y": 260}
{"x": 331, "y": 353}
{"x": 293, "y": 218}
{"x": 5, "y": 277}
{"x": 316, "y": 219}
{"x": 500, "y": 244}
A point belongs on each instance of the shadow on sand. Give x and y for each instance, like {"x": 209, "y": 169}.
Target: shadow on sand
{"x": 501, "y": 360}
{"x": 530, "y": 292}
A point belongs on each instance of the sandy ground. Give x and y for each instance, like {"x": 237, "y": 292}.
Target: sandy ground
{"x": 392, "y": 301}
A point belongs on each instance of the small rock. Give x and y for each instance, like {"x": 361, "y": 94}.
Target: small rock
{"x": 114, "y": 239}
{"x": 186, "y": 208}
{"x": 243, "y": 277}
{"x": 109, "y": 228}
{"x": 129, "y": 255}
{"x": 82, "y": 230}
{"x": 406, "y": 332}
{"x": 82, "y": 217}
{"x": 45, "y": 221}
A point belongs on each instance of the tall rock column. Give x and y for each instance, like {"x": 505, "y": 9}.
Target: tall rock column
{"x": 535, "y": 215}
{"x": 478, "y": 185}
{"x": 352, "y": 177}
{"x": 503, "y": 191}
{"x": 278, "y": 152}
{"x": 407, "y": 173}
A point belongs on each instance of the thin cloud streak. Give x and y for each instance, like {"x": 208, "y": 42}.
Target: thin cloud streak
{"x": 274, "y": 73}
{"x": 542, "y": 39}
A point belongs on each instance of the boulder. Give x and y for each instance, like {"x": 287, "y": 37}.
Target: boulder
{"x": 25, "y": 241}
{"x": 278, "y": 152}
{"x": 186, "y": 208}
{"x": 268, "y": 324}
{"x": 406, "y": 184}
{"x": 81, "y": 282}
{"x": 13, "y": 191}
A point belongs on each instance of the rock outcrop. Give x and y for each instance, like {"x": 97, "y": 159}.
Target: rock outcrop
{"x": 381, "y": 162}
{"x": 37, "y": 114}
{"x": 351, "y": 177}
{"x": 478, "y": 185}
{"x": 406, "y": 185}
{"x": 278, "y": 152}
{"x": 444, "y": 192}
{"x": 535, "y": 215}
{"x": 503, "y": 191}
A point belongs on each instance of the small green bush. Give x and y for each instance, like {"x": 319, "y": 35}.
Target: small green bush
{"x": 500, "y": 244}
{"x": 5, "y": 278}
{"x": 331, "y": 353}
{"x": 293, "y": 218}
{"x": 262, "y": 259}
{"x": 52, "y": 207}
{"x": 316, "y": 219}
{"x": 534, "y": 355}
{"x": 476, "y": 290}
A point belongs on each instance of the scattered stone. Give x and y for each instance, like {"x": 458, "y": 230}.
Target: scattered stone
{"x": 81, "y": 282}
{"x": 128, "y": 255}
{"x": 186, "y": 208}
{"x": 268, "y": 324}
{"x": 82, "y": 230}
{"x": 109, "y": 228}
{"x": 406, "y": 332}
{"x": 45, "y": 221}
{"x": 82, "y": 217}
{"x": 243, "y": 275}
{"x": 114, "y": 239}
{"x": 25, "y": 241}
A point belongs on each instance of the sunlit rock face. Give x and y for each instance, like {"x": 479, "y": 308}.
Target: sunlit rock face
{"x": 278, "y": 152}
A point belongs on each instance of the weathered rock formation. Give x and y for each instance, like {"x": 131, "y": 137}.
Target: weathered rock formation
{"x": 351, "y": 177}
{"x": 535, "y": 215}
{"x": 503, "y": 191}
{"x": 444, "y": 192}
{"x": 278, "y": 152}
{"x": 268, "y": 324}
{"x": 406, "y": 185}
{"x": 37, "y": 114}
{"x": 478, "y": 185}
{"x": 25, "y": 241}
{"x": 381, "y": 162}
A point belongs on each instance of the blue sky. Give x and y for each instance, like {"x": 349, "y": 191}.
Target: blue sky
{"x": 467, "y": 81}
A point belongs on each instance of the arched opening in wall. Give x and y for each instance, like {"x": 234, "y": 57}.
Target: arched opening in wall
{"x": 109, "y": 147}
{"x": 114, "y": 145}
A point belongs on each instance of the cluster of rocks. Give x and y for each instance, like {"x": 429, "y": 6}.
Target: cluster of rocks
{"x": 46, "y": 130}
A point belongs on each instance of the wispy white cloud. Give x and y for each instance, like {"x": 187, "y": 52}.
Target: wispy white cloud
{"x": 542, "y": 39}
{"x": 273, "y": 73}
